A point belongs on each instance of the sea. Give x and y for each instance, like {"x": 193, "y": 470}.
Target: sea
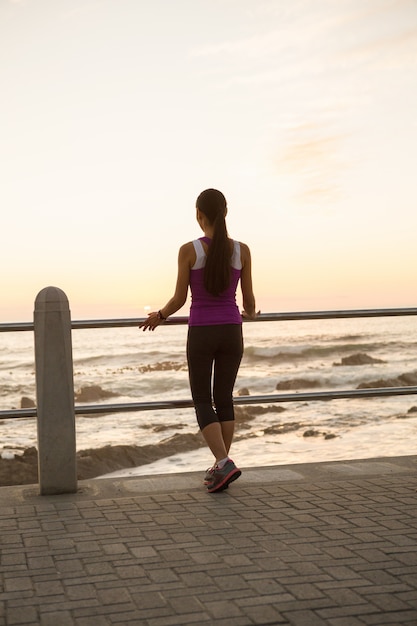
{"x": 124, "y": 365}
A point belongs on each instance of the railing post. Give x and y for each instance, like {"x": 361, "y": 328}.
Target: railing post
{"x": 55, "y": 393}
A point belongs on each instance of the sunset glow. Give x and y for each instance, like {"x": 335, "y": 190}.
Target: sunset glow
{"x": 116, "y": 114}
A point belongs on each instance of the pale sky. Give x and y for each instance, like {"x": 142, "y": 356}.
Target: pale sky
{"x": 115, "y": 114}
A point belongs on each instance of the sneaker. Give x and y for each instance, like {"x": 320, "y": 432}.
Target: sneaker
{"x": 221, "y": 478}
{"x": 209, "y": 475}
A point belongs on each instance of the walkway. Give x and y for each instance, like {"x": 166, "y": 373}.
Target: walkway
{"x": 305, "y": 545}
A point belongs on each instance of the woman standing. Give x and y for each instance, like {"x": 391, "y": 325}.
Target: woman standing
{"x": 212, "y": 266}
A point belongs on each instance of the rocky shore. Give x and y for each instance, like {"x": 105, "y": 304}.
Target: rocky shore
{"x": 23, "y": 469}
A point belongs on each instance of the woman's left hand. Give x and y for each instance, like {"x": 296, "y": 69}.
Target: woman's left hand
{"x": 247, "y": 316}
{"x": 153, "y": 320}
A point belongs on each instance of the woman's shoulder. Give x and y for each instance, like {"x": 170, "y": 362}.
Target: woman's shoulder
{"x": 187, "y": 252}
{"x": 187, "y": 246}
{"x": 244, "y": 253}
{"x": 244, "y": 248}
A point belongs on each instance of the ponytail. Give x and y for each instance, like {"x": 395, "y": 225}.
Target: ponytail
{"x": 217, "y": 270}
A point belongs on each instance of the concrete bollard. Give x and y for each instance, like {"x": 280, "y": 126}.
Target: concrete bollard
{"x": 57, "y": 462}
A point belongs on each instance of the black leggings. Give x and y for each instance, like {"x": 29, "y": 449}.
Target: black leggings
{"x": 221, "y": 346}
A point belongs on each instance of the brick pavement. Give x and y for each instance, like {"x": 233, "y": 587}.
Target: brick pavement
{"x": 304, "y": 545}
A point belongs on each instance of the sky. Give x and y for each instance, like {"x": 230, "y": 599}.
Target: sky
{"x": 116, "y": 114}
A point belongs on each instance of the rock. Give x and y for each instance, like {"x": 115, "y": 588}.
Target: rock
{"x": 412, "y": 410}
{"x": 249, "y": 412}
{"x": 93, "y": 393}
{"x": 160, "y": 428}
{"x": 163, "y": 366}
{"x": 297, "y": 383}
{"x": 282, "y": 429}
{"x": 244, "y": 391}
{"x": 359, "y": 358}
{"x": 404, "y": 380}
{"x": 27, "y": 403}
{"x": 21, "y": 469}
{"x": 408, "y": 379}
{"x": 96, "y": 462}
{"x": 311, "y": 433}
{"x": 387, "y": 382}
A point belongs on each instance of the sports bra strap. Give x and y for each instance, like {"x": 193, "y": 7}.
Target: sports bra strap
{"x": 200, "y": 260}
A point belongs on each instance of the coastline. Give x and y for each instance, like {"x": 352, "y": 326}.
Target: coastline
{"x": 288, "y": 442}
{"x": 22, "y": 469}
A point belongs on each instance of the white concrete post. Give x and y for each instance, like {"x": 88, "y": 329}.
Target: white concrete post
{"x": 55, "y": 393}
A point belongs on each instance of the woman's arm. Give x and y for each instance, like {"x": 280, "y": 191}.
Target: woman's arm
{"x": 249, "y": 310}
{"x": 186, "y": 259}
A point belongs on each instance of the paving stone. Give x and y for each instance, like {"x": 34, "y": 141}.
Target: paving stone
{"x": 144, "y": 552}
{"x": 22, "y": 583}
{"x": 173, "y": 620}
{"x": 392, "y": 618}
{"x": 222, "y": 609}
{"x": 93, "y": 620}
{"x": 80, "y": 591}
{"x": 186, "y": 604}
{"x": 346, "y": 621}
{"x": 163, "y": 575}
{"x": 304, "y": 617}
{"x": 40, "y": 562}
{"x": 55, "y": 618}
{"x": 67, "y": 566}
{"x": 329, "y": 544}
{"x": 22, "y": 615}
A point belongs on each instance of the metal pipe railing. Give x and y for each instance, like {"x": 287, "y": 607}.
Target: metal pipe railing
{"x": 263, "y": 399}
{"x": 263, "y": 317}
{"x": 131, "y": 407}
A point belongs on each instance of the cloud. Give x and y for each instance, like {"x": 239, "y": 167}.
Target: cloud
{"x": 81, "y": 10}
{"x": 396, "y": 50}
{"x": 312, "y": 158}
{"x": 380, "y": 35}
{"x": 343, "y": 34}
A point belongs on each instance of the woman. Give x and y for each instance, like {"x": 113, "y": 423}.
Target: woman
{"x": 212, "y": 266}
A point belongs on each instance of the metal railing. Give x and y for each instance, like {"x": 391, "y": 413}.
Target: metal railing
{"x": 91, "y": 409}
{"x": 55, "y": 410}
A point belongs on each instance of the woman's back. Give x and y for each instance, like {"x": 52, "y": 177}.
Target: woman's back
{"x": 207, "y": 309}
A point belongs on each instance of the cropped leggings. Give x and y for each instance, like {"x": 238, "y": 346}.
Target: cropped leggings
{"x": 214, "y": 354}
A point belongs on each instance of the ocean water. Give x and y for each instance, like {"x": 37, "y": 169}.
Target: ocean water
{"x": 135, "y": 366}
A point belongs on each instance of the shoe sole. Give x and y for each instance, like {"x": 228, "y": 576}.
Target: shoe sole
{"x": 234, "y": 474}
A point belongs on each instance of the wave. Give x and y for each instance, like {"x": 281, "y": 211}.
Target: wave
{"x": 280, "y": 354}
{"x": 404, "y": 380}
{"x": 159, "y": 366}
{"x": 135, "y": 358}
{"x": 14, "y": 363}
{"x": 277, "y": 354}
{"x": 297, "y": 383}
{"x": 96, "y": 393}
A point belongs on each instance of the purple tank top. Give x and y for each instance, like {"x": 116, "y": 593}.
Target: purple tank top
{"x": 206, "y": 309}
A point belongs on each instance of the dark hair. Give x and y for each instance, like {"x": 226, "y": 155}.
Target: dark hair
{"x": 213, "y": 204}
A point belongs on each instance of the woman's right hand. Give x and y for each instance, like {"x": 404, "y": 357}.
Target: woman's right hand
{"x": 153, "y": 320}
